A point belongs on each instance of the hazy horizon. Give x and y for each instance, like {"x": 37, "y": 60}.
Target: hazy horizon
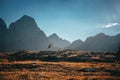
{"x": 70, "y": 19}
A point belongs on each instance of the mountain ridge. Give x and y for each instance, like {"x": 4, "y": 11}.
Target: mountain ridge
{"x": 24, "y": 33}
{"x": 58, "y": 42}
{"x": 99, "y": 42}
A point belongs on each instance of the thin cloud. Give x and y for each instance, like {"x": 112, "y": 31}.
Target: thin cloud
{"x": 111, "y": 25}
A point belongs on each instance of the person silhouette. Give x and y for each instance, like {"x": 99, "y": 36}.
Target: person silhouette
{"x": 49, "y": 46}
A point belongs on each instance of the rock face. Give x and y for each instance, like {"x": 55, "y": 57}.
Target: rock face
{"x": 57, "y": 42}
{"x": 3, "y": 32}
{"x": 76, "y": 45}
{"x": 25, "y": 34}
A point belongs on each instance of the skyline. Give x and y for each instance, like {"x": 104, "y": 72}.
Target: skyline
{"x": 70, "y": 19}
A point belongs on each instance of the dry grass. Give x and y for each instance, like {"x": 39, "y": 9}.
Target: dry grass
{"x": 38, "y": 70}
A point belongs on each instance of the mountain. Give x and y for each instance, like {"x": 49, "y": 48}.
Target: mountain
{"x": 99, "y": 42}
{"x": 3, "y": 27}
{"x": 3, "y": 32}
{"x": 58, "y": 42}
{"x": 25, "y": 34}
{"x": 102, "y": 42}
{"x": 76, "y": 45}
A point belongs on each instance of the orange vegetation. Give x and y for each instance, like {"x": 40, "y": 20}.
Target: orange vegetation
{"x": 39, "y": 70}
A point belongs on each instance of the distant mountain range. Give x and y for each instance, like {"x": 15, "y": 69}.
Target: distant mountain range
{"x": 24, "y": 34}
{"x": 99, "y": 42}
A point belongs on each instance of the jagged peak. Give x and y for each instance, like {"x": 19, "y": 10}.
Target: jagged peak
{"x": 54, "y": 35}
{"x": 97, "y": 35}
{"x": 100, "y": 34}
{"x": 2, "y": 25}
{"x": 24, "y": 21}
{"x": 57, "y": 37}
{"x": 1, "y": 20}
{"x": 26, "y": 17}
{"x": 78, "y": 40}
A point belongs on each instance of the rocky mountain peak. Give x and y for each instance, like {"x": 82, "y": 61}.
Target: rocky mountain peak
{"x": 3, "y": 26}
{"x": 54, "y": 35}
{"x": 58, "y": 42}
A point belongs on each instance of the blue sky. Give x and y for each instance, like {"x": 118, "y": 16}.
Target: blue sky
{"x": 70, "y": 19}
